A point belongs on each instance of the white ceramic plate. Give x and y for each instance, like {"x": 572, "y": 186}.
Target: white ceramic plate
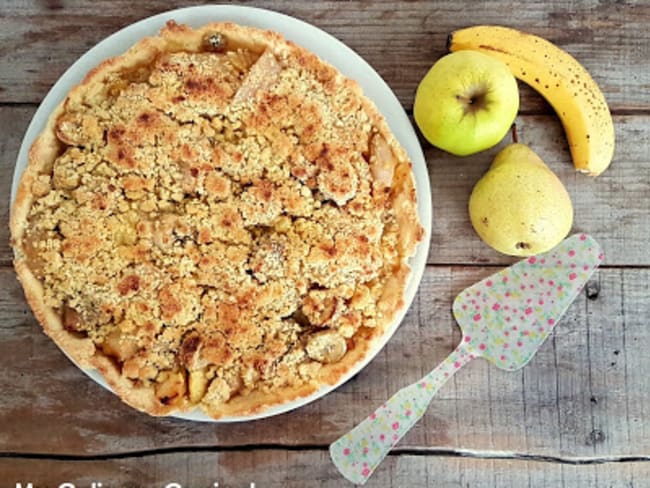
{"x": 326, "y": 47}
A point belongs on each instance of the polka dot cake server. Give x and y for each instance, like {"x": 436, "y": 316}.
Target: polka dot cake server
{"x": 504, "y": 318}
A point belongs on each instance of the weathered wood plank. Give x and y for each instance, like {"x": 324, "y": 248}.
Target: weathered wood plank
{"x": 612, "y": 207}
{"x": 14, "y": 122}
{"x": 290, "y": 469}
{"x": 39, "y": 40}
{"x": 591, "y": 377}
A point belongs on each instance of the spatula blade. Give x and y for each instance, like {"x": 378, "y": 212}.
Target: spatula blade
{"x": 506, "y": 317}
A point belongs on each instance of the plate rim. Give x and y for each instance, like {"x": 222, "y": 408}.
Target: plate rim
{"x": 326, "y": 47}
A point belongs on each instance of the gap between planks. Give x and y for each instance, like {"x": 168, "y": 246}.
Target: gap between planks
{"x": 617, "y": 111}
{"x": 448, "y": 453}
{"x": 8, "y": 265}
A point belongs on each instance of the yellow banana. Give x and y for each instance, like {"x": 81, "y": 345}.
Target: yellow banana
{"x": 560, "y": 79}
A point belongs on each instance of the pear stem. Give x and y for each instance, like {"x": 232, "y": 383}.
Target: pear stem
{"x": 513, "y": 132}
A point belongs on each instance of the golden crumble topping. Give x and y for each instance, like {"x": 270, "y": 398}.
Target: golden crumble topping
{"x": 221, "y": 220}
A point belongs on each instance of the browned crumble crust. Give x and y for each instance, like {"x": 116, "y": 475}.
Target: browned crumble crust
{"x": 216, "y": 218}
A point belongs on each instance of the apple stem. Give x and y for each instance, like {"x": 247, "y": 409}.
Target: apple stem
{"x": 513, "y": 131}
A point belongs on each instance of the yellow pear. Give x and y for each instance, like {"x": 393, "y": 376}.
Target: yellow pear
{"x": 520, "y": 207}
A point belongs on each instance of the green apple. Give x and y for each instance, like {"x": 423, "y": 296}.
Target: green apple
{"x": 466, "y": 103}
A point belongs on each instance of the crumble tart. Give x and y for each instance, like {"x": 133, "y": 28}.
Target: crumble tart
{"x": 216, "y": 219}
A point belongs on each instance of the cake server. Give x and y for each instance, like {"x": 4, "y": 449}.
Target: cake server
{"x": 504, "y": 318}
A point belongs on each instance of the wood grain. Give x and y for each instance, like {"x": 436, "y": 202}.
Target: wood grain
{"x": 613, "y": 207}
{"x": 299, "y": 469}
{"x": 583, "y": 395}
{"x": 39, "y": 40}
{"x": 584, "y": 398}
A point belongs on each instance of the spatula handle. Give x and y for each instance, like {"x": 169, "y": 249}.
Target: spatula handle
{"x": 359, "y": 452}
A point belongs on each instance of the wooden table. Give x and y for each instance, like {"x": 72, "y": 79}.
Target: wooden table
{"x": 577, "y": 416}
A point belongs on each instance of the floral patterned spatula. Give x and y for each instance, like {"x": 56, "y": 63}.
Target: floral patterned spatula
{"x": 504, "y": 318}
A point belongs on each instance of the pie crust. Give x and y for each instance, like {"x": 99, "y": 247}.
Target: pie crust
{"x": 216, "y": 219}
